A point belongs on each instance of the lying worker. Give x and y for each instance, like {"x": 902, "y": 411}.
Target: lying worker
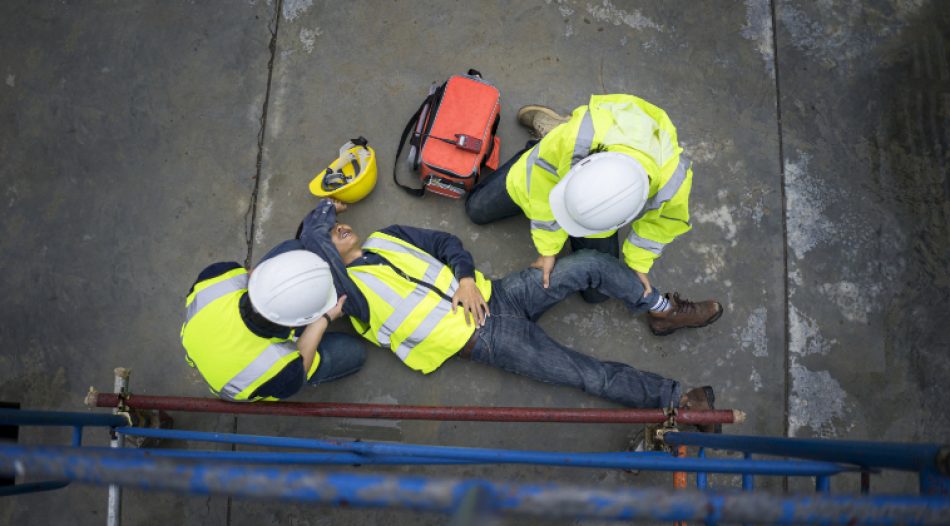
{"x": 613, "y": 162}
{"x": 239, "y": 330}
{"x": 418, "y": 294}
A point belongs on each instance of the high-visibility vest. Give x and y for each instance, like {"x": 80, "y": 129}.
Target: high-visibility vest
{"x": 613, "y": 123}
{"x": 410, "y": 305}
{"x": 232, "y": 359}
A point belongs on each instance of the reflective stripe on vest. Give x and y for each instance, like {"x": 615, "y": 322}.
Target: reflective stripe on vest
{"x": 433, "y": 318}
{"x": 250, "y": 374}
{"x": 435, "y": 266}
{"x": 210, "y": 293}
{"x": 646, "y": 244}
{"x": 532, "y": 158}
{"x": 550, "y": 226}
{"x": 404, "y": 307}
{"x": 669, "y": 189}
{"x": 546, "y": 165}
{"x": 584, "y": 140}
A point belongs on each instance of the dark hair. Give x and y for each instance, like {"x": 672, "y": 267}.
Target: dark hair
{"x": 258, "y": 324}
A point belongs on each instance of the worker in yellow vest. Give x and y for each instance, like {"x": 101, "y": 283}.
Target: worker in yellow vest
{"x": 417, "y": 293}
{"x": 261, "y": 335}
{"x": 613, "y": 162}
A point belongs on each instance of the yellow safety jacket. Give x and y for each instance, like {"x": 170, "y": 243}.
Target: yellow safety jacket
{"x": 612, "y": 123}
{"x": 410, "y": 303}
{"x": 232, "y": 359}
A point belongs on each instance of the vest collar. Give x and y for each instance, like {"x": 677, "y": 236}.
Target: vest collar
{"x": 258, "y": 324}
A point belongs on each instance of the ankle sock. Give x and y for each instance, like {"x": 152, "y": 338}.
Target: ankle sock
{"x": 662, "y": 305}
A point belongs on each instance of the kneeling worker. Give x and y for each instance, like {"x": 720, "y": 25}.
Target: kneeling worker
{"x": 613, "y": 162}
{"x": 411, "y": 283}
{"x": 239, "y": 330}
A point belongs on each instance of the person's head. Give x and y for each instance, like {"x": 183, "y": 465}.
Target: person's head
{"x": 292, "y": 289}
{"x": 601, "y": 193}
{"x": 346, "y": 241}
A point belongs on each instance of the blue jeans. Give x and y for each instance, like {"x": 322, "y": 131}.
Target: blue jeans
{"x": 340, "y": 355}
{"x": 489, "y": 201}
{"x": 511, "y": 340}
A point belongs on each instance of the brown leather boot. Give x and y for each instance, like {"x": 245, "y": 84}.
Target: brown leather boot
{"x": 701, "y": 399}
{"x": 684, "y": 314}
{"x": 540, "y": 119}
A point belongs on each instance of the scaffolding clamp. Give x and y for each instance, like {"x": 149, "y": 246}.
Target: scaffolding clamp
{"x": 653, "y": 438}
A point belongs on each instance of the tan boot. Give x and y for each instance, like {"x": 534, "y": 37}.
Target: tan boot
{"x": 701, "y": 399}
{"x": 683, "y": 314}
{"x": 540, "y": 119}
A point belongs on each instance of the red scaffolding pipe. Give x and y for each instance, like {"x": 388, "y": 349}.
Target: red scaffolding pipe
{"x": 416, "y": 412}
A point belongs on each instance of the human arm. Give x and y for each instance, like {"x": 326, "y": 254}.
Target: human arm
{"x": 545, "y": 166}
{"x": 650, "y": 234}
{"x": 310, "y": 339}
{"x": 443, "y": 246}
{"x": 472, "y": 301}
{"x": 448, "y": 249}
{"x": 291, "y": 379}
{"x": 315, "y": 237}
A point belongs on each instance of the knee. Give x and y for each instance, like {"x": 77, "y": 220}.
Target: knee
{"x": 352, "y": 347}
{"x": 474, "y": 212}
{"x": 593, "y": 297}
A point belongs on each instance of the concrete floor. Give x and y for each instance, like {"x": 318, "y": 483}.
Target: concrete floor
{"x": 140, "y": 141}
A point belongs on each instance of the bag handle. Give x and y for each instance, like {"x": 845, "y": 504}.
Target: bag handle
{"x": 417, "y": 192}
{"x": 429, "y": 101}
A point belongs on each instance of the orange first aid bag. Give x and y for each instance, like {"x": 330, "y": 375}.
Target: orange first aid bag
{"x": 452, "y": 136}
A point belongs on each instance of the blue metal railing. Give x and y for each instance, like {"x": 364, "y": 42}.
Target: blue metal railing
{"x": 930, "y": 461}
{"x": 290, "y": 475}
{"x": 442, "y": 494}
{"x": 77, "y": 421}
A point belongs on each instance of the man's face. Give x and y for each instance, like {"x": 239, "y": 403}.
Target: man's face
{"x": 344, "y": 239}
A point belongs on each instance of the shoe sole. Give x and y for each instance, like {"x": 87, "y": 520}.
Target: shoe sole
{"x": 710, "y": 321}
{"x": 534, "y": 107}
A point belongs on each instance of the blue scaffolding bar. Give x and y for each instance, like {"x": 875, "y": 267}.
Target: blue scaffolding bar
{"x": 907, "y": 457}
{"x": 19, "y": 417}
{"x": 422, "y": 454}
{"x": 445, "y": 494}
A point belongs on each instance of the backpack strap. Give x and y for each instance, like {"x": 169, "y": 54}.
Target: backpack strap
{"x": 417, "y": 192}
{"x": 429, "y": 102}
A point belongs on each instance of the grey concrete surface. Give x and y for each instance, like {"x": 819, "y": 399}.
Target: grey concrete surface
{"x": 129, "y": 143}
{"x": 130, "y": 160}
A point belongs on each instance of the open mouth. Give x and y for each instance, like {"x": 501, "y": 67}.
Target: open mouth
{"x": 342, "y": 233}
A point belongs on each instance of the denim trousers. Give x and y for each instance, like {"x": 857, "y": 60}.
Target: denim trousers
{"x": 340, "y": 355}
{"x": 489, "y": 201}
{"x": 512, "y": 340}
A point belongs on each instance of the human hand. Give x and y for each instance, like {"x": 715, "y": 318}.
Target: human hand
{"x": 546, "y": 264}
{"x": 647, "y": 289}
{"x": 336, "y": 312}
{"x": 472, "y": 301}
{"x": 340, "y": 206}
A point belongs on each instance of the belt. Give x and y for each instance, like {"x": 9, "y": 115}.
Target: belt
{"x": 466, "y": 351}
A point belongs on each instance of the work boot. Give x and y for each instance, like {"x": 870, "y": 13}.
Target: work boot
{"x": 540, "y": 119}
{"x": 683, "y": 314}
{"x": 701, "y": 399}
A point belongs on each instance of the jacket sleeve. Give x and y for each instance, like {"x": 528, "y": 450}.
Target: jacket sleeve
{"x": 650, "y": 234}
{"x": 284, "y": 384}
{"x": 443, "y": 246}
{"x": 315, "y": 237}
{"x": 546, "y": 164}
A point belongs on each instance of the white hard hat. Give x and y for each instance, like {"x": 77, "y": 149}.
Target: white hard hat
{"x": 601, "y": 193}
{"x": 292, "y": 289}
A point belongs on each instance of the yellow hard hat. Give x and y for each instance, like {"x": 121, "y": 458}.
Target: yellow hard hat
{"x": 351, "y": 177}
